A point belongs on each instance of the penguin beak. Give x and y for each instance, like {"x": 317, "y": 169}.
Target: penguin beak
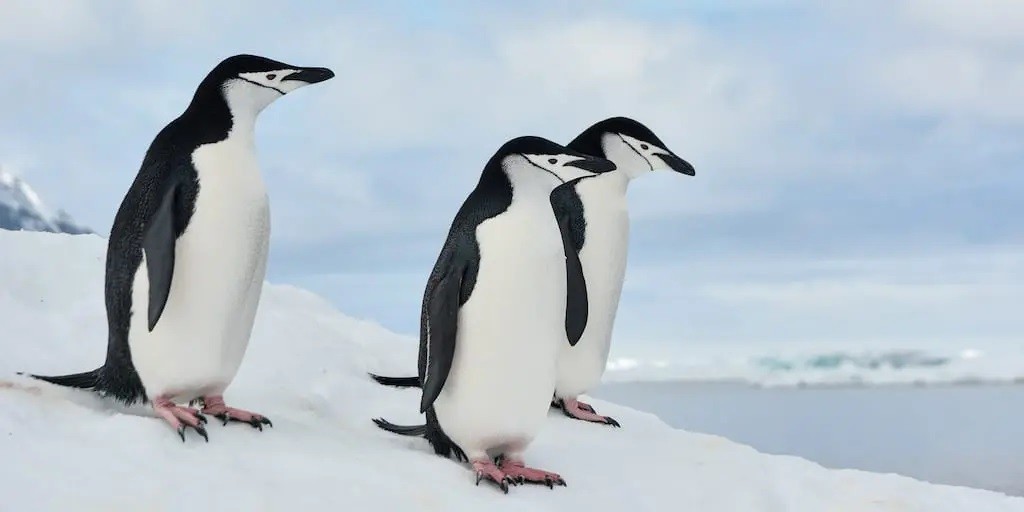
{"x": 677, "y": 164}
{"x": 311, "y": 75}
{"x": 594, "y": 165}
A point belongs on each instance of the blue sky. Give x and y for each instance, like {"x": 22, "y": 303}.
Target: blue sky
{"x": 858, "y": 163}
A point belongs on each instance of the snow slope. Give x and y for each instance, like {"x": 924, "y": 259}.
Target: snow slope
{"x": 66, "y": 450}
{"x": 21, "y": 209}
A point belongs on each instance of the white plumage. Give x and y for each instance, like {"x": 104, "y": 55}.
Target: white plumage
{"x": 499, "y": 387}
{"x": 604, "y": 265}
{"x": 220, "y": 262}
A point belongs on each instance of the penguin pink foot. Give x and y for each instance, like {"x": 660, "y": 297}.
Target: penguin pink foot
{"x": 519, "y": 473}
{"x": 180, "y": 417}
{"x": 215, "y": 406}
{"x": 580, "y": 411}
{"x": 486, "y": 469}
{"x": 556, "y": 403}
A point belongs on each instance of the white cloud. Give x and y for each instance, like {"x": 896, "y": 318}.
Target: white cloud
{"x": 552, "y": 79}
{"x": 389, "y": 148}
{"x": 988, "y": 21}
{"x": 951, "y": 80}
{"x": 942, "y": 58}
{"x": 52, "y": 26}
{"x": 953, "y": 295}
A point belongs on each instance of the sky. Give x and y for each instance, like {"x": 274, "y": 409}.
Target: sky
{"x": 858, "y": 163}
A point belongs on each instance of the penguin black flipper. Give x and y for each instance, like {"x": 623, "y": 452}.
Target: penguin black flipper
{"x": 158, "y": 242}
{"x": 442, "y": 310}
{"x": 568, "y": 211}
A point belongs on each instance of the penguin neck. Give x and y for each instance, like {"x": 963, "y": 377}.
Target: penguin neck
{"x": 208, "y": 116}
{"x": 616, "y": 181}
{"x": 215, "y": 116}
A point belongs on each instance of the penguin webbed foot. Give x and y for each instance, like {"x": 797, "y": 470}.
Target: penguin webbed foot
{"x": 580, "y": 411}
{"x": 181, "y": 418}
{"x": 255, "y": 421}
{"x": 560, "y": 405}
{"x": 519, "y": 473}
{"x": 487, "y": 470}
{"x": 215, "y": 406}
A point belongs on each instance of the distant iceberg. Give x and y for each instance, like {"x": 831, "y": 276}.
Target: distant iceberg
{"x": 830, "y": 366}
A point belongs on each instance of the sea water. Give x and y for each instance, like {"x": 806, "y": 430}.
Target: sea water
{"x": 970, "y": 435}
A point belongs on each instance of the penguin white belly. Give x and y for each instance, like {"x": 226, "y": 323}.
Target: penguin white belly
{"x": 220, "y": 263}
{"x": 499, "y": 388}
{"x": 604, "y": 266}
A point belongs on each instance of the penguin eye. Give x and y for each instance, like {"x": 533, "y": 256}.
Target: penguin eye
{"x": 644, "y": 147}
{"x": 552, "y": 161}
{"x": 271, "y": 76}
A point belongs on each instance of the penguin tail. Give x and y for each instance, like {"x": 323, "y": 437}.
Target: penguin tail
{"x": 402, "y": 430}
{"x": 84, "y": 380}
{"x": 398, "y": 382}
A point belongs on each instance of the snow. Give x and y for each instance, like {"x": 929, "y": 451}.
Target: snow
{"x": 305, "y": 369}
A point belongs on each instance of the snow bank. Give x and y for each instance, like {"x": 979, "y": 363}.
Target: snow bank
{"x": 66, "y": 450}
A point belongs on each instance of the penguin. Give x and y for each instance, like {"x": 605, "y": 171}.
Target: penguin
{"x": 187, "y": 252}
{"x": 599, "y": 224}
{"x": 506, "y": 291}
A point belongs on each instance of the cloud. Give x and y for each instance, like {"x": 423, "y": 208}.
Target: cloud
{"x": 995, "y": 22}
{"x": 817, "y": 130}
{"x": 951, "y": 297}
{"x": 951, "y": 79}
{"x": 28, "y": 24}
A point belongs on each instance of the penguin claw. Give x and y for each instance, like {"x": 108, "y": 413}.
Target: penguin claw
{"x": 180, "y": 418}
{"x": 198, "y": 428}
{"x": 201, "y": 430}
{"x": 488, "y": 470}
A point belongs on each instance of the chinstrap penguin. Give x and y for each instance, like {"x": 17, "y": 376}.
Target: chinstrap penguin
{"x": 187, "y": 252}
{"x": 599, "y": 221}
{"x": 506, "y": 291}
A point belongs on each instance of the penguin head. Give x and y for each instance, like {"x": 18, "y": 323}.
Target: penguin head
{"x": 534, "y": 157}
{"x": 249, "y": 82}
{"x": 633, "y": 147}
